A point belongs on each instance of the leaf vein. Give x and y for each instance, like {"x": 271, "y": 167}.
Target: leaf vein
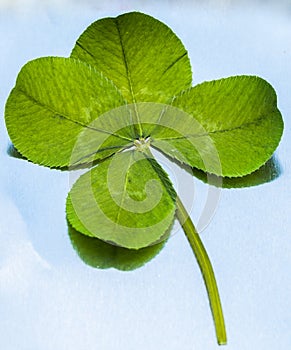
{"x": 120, "y": 206}
{"x": 117, "y": 147}
{"x": 104, "y": 48}
{"x": 174, "y": 62}
{"x": 62, "y": 115}
{"x": 242, "y": 126}
{"x": 128, "y": 75}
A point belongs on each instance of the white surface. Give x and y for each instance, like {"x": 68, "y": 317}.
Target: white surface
{"x": 49, "y": 299}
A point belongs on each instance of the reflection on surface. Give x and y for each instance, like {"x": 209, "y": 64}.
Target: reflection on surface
{"x": 270, "y": 171}
{"x": 101, "y": 255}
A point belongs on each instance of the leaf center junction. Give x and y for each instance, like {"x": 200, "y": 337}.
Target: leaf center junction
{"x": 142, "y": 144}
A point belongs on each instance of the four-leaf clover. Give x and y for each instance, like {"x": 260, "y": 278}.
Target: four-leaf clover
{"x": 125, "y": 89}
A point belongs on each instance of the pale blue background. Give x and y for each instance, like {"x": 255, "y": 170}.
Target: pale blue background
{"x": 51, "y": 300}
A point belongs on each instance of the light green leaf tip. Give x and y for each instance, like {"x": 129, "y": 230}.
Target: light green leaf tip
{"x": 141, "y": 55}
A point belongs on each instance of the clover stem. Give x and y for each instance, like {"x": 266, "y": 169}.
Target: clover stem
{"x": 206, "y": 270}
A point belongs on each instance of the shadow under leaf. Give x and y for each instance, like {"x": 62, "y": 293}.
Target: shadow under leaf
{"x": 14, "y": 153}
{"x": 99, "y": 254}
{"x": 268, "y": 172}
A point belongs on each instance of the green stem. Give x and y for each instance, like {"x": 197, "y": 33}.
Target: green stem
{"x": 206, "y": 269}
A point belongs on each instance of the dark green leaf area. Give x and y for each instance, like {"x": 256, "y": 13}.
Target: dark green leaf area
{"x": 141, "y": 55}
{"x": 53, "y": 101}
{"x": 127, "y": 199}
